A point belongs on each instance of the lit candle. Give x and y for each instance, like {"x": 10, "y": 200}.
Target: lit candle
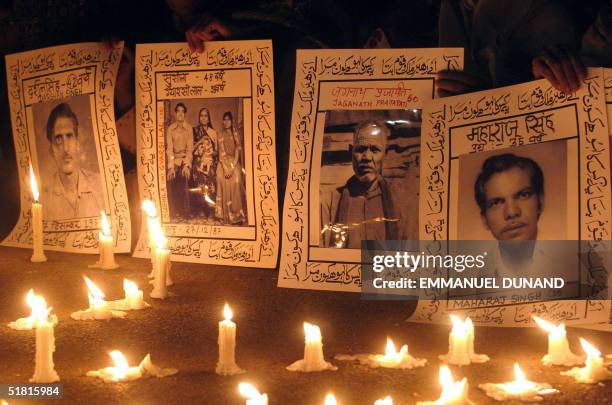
{"x": 391, "y": 359}
{"x": 121, "y": 371}
{"x": 44, "y": 370}
{"x": 98, "y": 307}
{"x": 29, "y": 323}
{"x": 559, "y": 353}
{"x": 161, "y": 264}
{"x": 38, "y": 255}
{"x": 313, "y": 352}
{"x": 105, "y": 243}
{"x": 330, "y": 399}
{"x": 133, "y": 298}
{"x": 386, "y": 401}
{"x": 252, "y": 394}
{"x": 594, "y": 370}
{"x": 227, "y": 345}
{"x": 453, "y": 392}
{"x": 520, "y": 389}
{"x": 461, "y": 344}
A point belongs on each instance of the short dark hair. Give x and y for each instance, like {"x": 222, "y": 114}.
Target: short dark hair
{"x": 501, "y": 163}
{"x": 180, "y": 105}
{"x": 62, "y": 110}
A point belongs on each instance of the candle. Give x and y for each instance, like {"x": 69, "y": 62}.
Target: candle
{"x": 227, "y": 345}
{"x": 453, "y": 392}
{"x": 391, "y": 359}
{"x": 152, "y": 222}
{"x": 98, "y": 307}
{"x": 313, "y": 352}
{"x": 35, "y": 302}
{"x": 133, "y": 299}
{"x": 105, "y": 243}
{"x": 330, "y": 399}
{"x": 44, "y": 369}
{"x": 520, "y": 389}
{"x": 38, "y": 254}
{"x": 121, "y": 371}
{"x": 386, "y": 401}
{"x": 559, "y": 353}
{"x": 161, "y": 264}
{"x": 252, "y": 394}
{"x": 594, "y": 369}
{"x": 461, "y": 344}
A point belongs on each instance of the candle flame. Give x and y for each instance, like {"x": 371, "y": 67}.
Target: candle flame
{"x": 520, "y": 384}
{"x": 547, "y": 326}
{"x": 95, "y": 295}
{"x": 386, "y": 401}
{"x": 129, "y": 287}
{"x": 121, "y": 365}
{"x": 589, "y": 349}
{"x": 330, "y": 399}
{"x": 390, "y": 349}
{"x": 446, "y": 378}
{"x": 312, "y": 333}
{"x": 227, "y": 312}
{"x": 40, "y": 312}
{"x": 149, "y": 208}
{"x": 452, "y": 391}
{"x": 34, "y": 185}
{"x": 518, "y": 373}
{"x": 248, "y": 391}
{"x": 157, "y": 233}
{"x": 106, "y": 230}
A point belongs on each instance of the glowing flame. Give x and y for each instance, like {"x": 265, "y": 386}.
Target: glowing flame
{"x": 589, "y": 349}
{"x": 520, "y": 383}
{"x": 95, "y": 295}
{"x": 390, "y": 349}
{"x": 106, "y": 230}
{"x": 451, "y": 391}
{"x": 40, "y": 312}
{"x": 330, "y": 399}
{"x": 386, "y": 401}
{"x": 248, "y": 391}
{"x": 157, "y": 234}
{"x": 227, "y": 313}
{"x": 558, "y": 330}
{"x": 34, "y": 185}
{"x": 149, "y": 208}
{"x": 312, "y": 333}
{"x": 121, "y": 365}
{"x": 129, "y": 287}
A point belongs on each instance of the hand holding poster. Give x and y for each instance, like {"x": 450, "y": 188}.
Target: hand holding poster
{"x": 61, "y": 101}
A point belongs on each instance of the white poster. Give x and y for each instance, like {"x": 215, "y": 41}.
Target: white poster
{"x": 354, "y": 158}
{"x": 206, "y": 155}
{"x": 61, "y": 102}
{"x": 535, "y": 128}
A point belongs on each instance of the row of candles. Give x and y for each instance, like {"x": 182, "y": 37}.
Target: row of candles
{"x": 461, "y": 338}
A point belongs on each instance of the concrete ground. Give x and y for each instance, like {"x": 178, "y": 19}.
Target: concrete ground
{"x": 181, "y": 332}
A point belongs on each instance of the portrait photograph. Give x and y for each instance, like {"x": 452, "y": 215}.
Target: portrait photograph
{"x": 369, "y": 177}
{"x": 68, "y": 161}
{"x": 520, "y": 193}
{"x": 205, "y": 160}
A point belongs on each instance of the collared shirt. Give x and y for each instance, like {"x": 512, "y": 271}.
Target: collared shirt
{"x": 89, "y": 201}
{"x": 179, "y": 144}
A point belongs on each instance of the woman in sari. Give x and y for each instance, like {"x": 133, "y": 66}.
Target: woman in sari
{"x": 230, "y": 207}
{"x": 204, "y": 165}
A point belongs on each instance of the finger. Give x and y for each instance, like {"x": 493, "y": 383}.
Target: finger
{"x": 579, "y": 67}
{"x": 190, "y": 41}
{"x": 459, "y": 76}
{"x": 568, "y": 70}
{"x": 540, "y": 70}
{"x": 557, "y": 70}
{"x": 452, "y": 86}
{"x": 221, "y": 29}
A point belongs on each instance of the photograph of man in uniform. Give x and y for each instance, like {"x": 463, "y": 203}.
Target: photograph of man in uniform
{"x": 179, "y": 150}
{"x": 73, "y": 191}
{"x": 363, "y": 208}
